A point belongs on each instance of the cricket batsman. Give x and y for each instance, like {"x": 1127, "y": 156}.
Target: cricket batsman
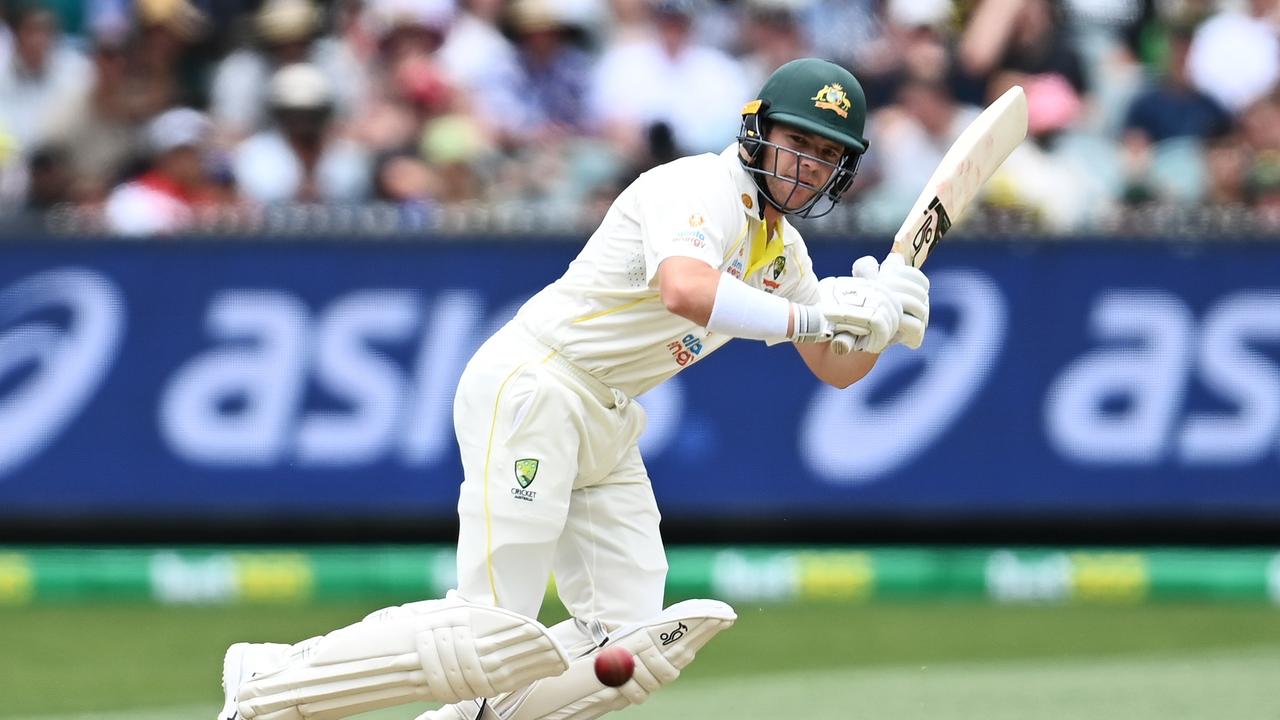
{"x": 691, "y": 255}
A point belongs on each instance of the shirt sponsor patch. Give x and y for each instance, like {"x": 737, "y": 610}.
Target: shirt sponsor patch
{"x": 735, "y": 269}
{"x": 693, "y": 237}
{"x": 686, "y": 349}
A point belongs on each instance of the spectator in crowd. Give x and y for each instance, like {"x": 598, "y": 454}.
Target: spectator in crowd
{"x": 50, "y": 179}
{"x": 481, "y": 63}
{"x": 1172, "y": 107}
{"x": 844, "y": 31}
{"x": 162, "y": 66}
{"x": 667, "y": 78}
{"x": 555, "y": 158}
{"x": 1235, "y": 55}
{"x": 1260, "y": 133}
{"x": 461, "y": 155}
{"x": 772, "y": 35}
{"x": 556, "y": 69}
{"x": 405, "y": 179}
{"x": 1028, "y": 39}
{"x": 41, "y": 78}
{"x": 287, "y": 31}
{"x": 1264, "y": 191}
{"x": 911, "y": 43}
{"x": 1165, "y": 128}
{"x": 166, "y": 197}
{"x": 1227, "y": 172}
{"x": 102, "y": 133}
{"x": 912, "y": 136}
{"x": 410, "y": 85}
{"x": 301, "y": 158}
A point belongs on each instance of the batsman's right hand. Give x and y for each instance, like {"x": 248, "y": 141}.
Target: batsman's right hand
{"x": 911, "y": 288}
{"x": 881, "y": 308}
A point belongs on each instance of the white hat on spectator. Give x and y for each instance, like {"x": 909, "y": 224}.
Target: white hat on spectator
{"x": 178, "y": 16}
{"x": 389, "y": 15}
{"x": 300, "y": 86}
{"x": 281, "y": 21}
{"x": 680, "y": 8}
{"x": 779, "y": 6}
{"x": 919, "y": 13}
{"x": 178, "y": 127}
{"x": 534, "y": 15}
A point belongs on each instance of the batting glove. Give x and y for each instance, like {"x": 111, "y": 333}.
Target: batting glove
{"x": 909, "y": 285}
{"x": 882, "y": 309}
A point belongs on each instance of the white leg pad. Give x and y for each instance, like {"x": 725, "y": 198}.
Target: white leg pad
{"x": 437, "y": 650}
{"x": 662, "y": 647}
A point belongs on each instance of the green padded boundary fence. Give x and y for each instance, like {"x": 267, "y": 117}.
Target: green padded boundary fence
{"x": 224, "y": 575}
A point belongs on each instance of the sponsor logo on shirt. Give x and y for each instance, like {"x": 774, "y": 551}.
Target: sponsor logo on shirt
{"x": 735, "y": 269}
{"x": 686, "y": 349}
{"x": 693, "y": 237}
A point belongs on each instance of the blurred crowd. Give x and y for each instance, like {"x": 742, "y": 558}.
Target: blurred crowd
{"x": 154, "y": 114}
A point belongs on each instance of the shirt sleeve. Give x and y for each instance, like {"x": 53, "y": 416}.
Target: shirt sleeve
{"x": 684, "y": 214}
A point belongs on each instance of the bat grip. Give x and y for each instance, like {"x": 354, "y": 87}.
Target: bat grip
{"x": 842, "y": 343}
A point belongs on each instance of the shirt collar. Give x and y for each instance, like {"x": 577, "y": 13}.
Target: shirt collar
{"x": 750, "y": 198}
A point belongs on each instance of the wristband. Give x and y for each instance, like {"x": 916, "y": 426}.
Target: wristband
{"x": 742, "y": 311}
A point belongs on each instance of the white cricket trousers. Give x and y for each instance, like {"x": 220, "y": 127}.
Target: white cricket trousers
{"x": 553, "y": 482}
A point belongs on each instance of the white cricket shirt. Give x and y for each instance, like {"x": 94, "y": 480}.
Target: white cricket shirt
{"x": 605, "y": 314}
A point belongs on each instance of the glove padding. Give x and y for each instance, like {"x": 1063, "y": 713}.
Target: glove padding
{"x": 909, "y": 285}
{"x": 881, "y": 308}
{"x": 822, "y": 321}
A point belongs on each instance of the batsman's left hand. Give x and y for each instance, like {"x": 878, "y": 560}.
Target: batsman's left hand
{"x": 909, "y": 285}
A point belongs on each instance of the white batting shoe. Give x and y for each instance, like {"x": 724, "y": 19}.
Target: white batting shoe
{"x": 243, "y": 661}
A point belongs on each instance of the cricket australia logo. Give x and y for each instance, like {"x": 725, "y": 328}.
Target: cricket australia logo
{"x": 936, "y": 224}
{"x": 832, "y": 97}
{"x": 776, "y": 269}
{"x": 526, "y": 470}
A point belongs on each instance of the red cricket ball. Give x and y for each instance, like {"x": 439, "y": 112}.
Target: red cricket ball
{"x": 614, "y": 666}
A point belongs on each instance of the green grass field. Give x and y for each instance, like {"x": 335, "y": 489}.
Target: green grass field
{"x": 921, "y": 660}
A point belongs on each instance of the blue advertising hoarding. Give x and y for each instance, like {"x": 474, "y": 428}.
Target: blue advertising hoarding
{"x": 301, "y": 380}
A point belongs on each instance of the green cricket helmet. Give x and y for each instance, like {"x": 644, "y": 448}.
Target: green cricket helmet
{"x": 815, "y": 96}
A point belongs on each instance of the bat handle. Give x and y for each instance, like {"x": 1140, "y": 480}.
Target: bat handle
{"x": 842, "y": 343}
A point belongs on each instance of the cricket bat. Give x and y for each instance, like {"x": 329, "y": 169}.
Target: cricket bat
{"x": 970, "y": 161}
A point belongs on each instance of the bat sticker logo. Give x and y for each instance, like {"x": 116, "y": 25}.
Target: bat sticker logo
{"x": 936, "y": 224}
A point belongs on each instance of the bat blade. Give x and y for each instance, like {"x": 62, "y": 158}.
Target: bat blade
{"x": 970, "y": 161}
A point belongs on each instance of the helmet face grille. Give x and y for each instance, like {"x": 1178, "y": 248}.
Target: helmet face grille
{"x": 824, "y": 197}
